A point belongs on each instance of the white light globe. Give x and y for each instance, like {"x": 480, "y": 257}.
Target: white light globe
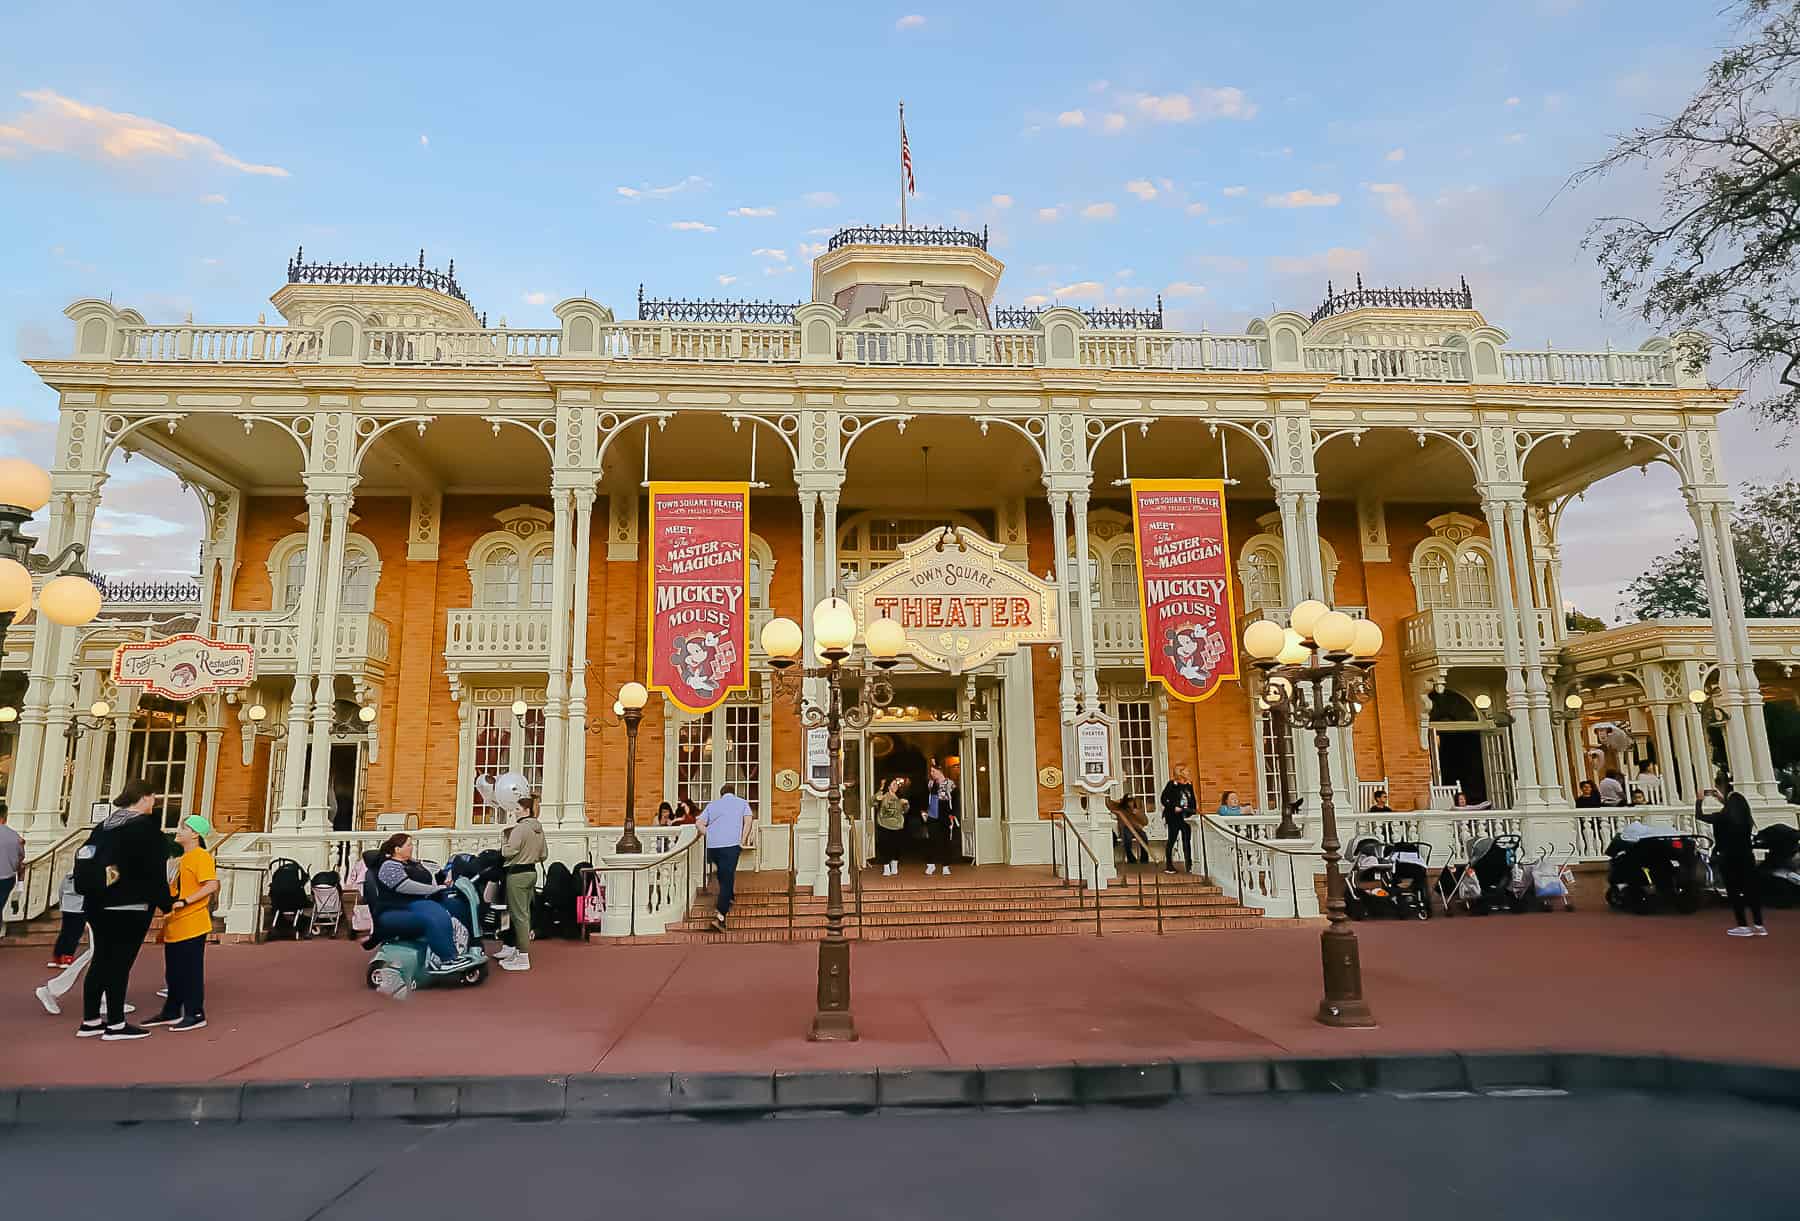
{"x": 100, "y": 708}
{"x": 70, "y": 601}
{"x": 15, "y": 584}
{"x": 634, "y": 695}
{"x": 1334, "y": 631}
{"x": 1572, "y": 702}
{"x": 1483, "y": 702}
{"x": 1293, "y": 650}
{"x": 1264, "y": 639}
{"x": 834, "y": 625}
{"x": 258, "y": 714}
{"x": 8, "y": 714}
{"x": 1697, "y": 696}
{"x": 24, "y": 484}
{"x": 618, "y": 709}
{"x": 781, "y": 639}
{"x": 519, "y": 708}
{"x": 885, "y": 638}
{"x": 1367, "y": 641}
{"x": 366, "y": 713}
{"x": 1305, "y": 617}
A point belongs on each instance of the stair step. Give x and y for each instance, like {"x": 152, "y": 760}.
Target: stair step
{"x": 938, "y": 932}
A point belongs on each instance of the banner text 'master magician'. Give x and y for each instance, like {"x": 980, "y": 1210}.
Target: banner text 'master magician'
{"x": 1184, "y": 584}
{"x": 699, "y": 605}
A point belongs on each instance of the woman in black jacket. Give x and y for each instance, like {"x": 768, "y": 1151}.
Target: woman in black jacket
{"x": 1177, "y": 807}
{"x": 136, "y": 857}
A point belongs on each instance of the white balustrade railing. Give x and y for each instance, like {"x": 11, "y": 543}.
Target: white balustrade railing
{"x": 219, "y": 344}
{"x": 1117, "y": 630}
{"x": 1582, "y": 835}
{"x": 701, "y": 341}
{"x": 1168, "y": 350}
{"x": 361, "y": 636}
{"x": 1452, "y": 630}
{"x": 1280, "y": 614}
{"x": 1359, "y": 362}
{"x": 979, "y": 349}
{"x": 484, "y": 634}
{"x": 1589, "y": 368}
{"x": 1242, "y": 856}
{"x": 414, "y": 346}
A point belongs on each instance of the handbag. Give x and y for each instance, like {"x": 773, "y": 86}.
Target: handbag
{"x": 590, "y": 905}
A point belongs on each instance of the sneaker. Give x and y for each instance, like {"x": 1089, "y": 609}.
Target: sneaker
{"x": 1168, "y": 871}
{"x": 124, "y": 1032}
{"x": 66, "y": 961}
{"x": 718, "y": 922}
{"x": 195, "y": 1022}
{"x": 48, "y": 1000}
{"x": 163, "y": 993}
{"x": 518, "y": 962}
{"x": 88, "y": 1030}
{"x": 130, "y": 1008}
{"x": 1761, "y": 931}
{"x": 54, "y": 964}
{"x": 1742, "y": 930}
{"x": 505, "y": 952}
{"x": 930, "y": 869}
{"x": 946, "y": 871}
{"x": 165, "y": 1018}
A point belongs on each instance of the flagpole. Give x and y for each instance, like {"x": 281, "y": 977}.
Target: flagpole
{"x": 903, "y": 168}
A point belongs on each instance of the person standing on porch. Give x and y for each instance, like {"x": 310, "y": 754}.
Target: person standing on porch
{"x": 525, "y": 849}
{"x": 1733, "y": 827}
{"x": 1131, "y": 822}
{"x": 890, "y": 822}
{"x": 1178, "y": 805}
{"x": 940, "y": 812}
{"x": 725, "y": 820}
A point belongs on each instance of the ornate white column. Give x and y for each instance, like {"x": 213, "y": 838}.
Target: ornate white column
{"x": 1575, "y": 754}
{"x": 1525, "y": 763}
{"x": 1090, "y": 678}
{"x": 575, "y": 781}
{"x": 828, "y": 528}
{"x": 1731, "y": 697}
{"x": 1761, "y": 779}
{"x": 556, "y": 694}
{"x": 319, "y": 797}
{"x": 292, "y": 803}
{"x": 1537, "y": 691}
{"x": 1059, "y": 536}
{"x": 1664, "y": 742}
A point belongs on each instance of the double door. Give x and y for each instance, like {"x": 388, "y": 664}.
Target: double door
{"x": 967, "y": 755}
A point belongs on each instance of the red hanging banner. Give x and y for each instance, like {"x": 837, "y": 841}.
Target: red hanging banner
{"x": 699, "y": 592}
{"x": 1184, "y": 584}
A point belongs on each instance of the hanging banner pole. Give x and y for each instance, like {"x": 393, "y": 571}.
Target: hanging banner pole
{"x": 1185, "y": 594}
{"x": 699, "y": 638}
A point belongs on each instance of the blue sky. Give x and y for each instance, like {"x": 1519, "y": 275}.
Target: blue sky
{"x": 1231, "y": 156}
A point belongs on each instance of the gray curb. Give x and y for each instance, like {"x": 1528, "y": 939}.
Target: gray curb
{"x": 702, "y": 1095}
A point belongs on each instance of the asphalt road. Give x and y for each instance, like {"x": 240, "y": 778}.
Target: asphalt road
{"x": 1303, "y": 1157}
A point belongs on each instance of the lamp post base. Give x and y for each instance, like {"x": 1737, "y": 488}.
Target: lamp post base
{"x": 628, "y": 844}
{"x": 833, "y": 1022}
{"x": 1343, "y": 1004}
{"x": 836, "y": 1026}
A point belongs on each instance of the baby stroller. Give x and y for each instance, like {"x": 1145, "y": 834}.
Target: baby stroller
{"x": 1411, "y": 879}
{"x": 327, "y": 904}
{"x": 401, "y": 963}
{"x": 1780, "y": 868}
{"x": 288, "y": 897}
{"x": 1550, "y": 882}
{"x": 1369, "y": 889}
{"x": 1654, "y": 866}
{"x": 1486, "y": 882}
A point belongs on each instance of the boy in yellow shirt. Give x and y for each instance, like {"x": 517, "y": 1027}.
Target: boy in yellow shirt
{"x": 186, "y": 928}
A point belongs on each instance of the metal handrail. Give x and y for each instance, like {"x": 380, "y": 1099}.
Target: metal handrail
{"x": 1237, "y": 852}
{"x": 856, "y": 872}
{"x": 1080, "y": 882}
{"x": 44, "y": 865}
{"x": 1155, "y": 874}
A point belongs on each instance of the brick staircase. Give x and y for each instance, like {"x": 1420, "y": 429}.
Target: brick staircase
{"x": 984, "y": 902}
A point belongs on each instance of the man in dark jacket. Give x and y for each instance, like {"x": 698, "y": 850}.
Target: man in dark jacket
{"x": 1177, "y": 807}
{"x": 135, "y": 855}
{"x": 1732, "y": 829}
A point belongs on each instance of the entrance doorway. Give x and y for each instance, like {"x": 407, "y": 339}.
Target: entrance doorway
{"x": 909, "y": 756}
{"x": 962, "y": 735}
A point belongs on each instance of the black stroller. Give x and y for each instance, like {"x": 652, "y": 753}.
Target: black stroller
{"x": 1780, "y": 868}
{"x": 1656, "y": 867}
{"x": 1411, "y": 883}
{"x": 1369, "y": 887}
{"x": 1489, "y": 881}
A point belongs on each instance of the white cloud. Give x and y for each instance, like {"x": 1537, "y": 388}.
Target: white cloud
{"x": 1234, "y": 192}
{"x": 820, "y": 199}
{"x": 751, "y": 212}
{"x": 1398, "y": 154}
{"x": 1302, "y": 198}
{"x": 911, "y": 21}
{"x": 537, "y": 298}
{"x": 1196, "y": 209}
{"x": 1071, "y": 118}
{"x": 764, "y": 252}
{"x": 692, "y": 226}
{"x": 1221, "y": 102}
{"x": 1143, "y": 188}
{"x": 1338, "y": 261}
{"x": 1113, "y": 124}
{"x": 1512, "y": 101}
{"x": 777, "y": 269}
{"x": 1513, "y": 137}
{"x": 424, "y": 140}
{"x": 213, "y": 199}
{"x": 691, "y": 183}
{"x": 810, "y": 250}
{"x": 1081, "y": 290}
{"x": 56, "y": 124}
{"x": 727, "y": 280}
{"x": 1397, "y": 202}
{"x": 1124, "y": 273}
{"x": 818, "y": 233}
{"x": 1049, "y": 214}
{"x": 1100, "y": 211}
{"x": 1002, "y": 201}
{"x": 1099, "y": 86}
{"x": 1037, "y": 299}
{"x": 1181, "y": 288}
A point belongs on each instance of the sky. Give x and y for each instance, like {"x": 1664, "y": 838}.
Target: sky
{"x": 1227, "y": 155}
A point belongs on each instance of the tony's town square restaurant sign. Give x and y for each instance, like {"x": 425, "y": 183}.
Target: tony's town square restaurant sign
{"x": 1184, "y": 584}
{"x": 699, "y": 582}
{"x": 961, "y": 605}
{"x": 182, "y": 667}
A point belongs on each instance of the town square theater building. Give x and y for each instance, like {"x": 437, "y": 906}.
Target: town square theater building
{"x": 437, "y": 537}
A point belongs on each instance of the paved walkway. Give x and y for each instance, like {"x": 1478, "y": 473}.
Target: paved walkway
{"x": 1591, "y": 981}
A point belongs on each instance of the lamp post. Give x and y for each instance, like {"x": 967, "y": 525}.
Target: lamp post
{"x": 834, "y": 631}
{"x": 1711, "y": 717}
{"x": 1333, "y": 655}
{"x": 630, "y": 708}
{"x": 69, "y": 598}
{"x": 1283, "y": 732}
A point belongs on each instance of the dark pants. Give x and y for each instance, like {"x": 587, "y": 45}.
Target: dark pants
{"x": 943, "y": 851}
{"x": 118, "y": 936}
{"x": 1182, "y": 830}
{"x": 184, "y": 969}
{"x": 6, "y": 889}
{"x": 421, "y": 919}
{"x": 1133, "y": 850}
{"x": 68, "y": 938}
{"x": 724, "y": 862}
{"x": 888, "y": 843}
{"x": 1742, "y": 889}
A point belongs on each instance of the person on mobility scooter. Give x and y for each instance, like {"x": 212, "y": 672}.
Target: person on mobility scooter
{"x": 424, "y": 933}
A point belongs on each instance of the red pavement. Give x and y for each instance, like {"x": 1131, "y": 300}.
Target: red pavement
{"x": 1585, "y": 981}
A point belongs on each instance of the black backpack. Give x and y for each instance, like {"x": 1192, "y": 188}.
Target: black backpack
{"x": 93, "y": 860}
{"x": 287, "y": 887}
{"x": 554, "y": 911}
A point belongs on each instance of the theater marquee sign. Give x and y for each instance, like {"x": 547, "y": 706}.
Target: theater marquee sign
{"x": 960, "y": 605}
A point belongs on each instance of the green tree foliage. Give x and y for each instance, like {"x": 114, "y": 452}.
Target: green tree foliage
{"x": 1765, "y": 532}
{"x": 1578, "y": 622}
{"x": 1717, "y": 266}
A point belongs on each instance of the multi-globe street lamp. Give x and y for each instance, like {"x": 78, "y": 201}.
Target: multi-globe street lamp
{"x": 834, "y": 632}
{"x": 69, "y": 598}
{"x": 1320, "y": 667}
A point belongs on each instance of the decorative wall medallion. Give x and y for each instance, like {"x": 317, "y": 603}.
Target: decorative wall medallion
{"x": 1050, "y": 777}
{"x": 787, "y": 780}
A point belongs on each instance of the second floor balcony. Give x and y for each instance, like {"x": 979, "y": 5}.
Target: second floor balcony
{"x": 363, "y": 641}
{"x": 1461, "y": 636}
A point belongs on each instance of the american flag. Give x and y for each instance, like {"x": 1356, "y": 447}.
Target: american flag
{"x": 906, "y": 161}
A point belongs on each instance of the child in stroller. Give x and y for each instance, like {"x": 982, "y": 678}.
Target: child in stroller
{"x": 1369, "y": 890}
{"x": 1411, "y": 862}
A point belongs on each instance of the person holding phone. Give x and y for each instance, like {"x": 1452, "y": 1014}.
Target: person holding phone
{"x": 1732, "y": 828}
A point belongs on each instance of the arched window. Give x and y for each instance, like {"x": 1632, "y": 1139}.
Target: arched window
{"x": 514, "y": 567}
{"x": 1260, "y": 570}
{"x": 359, "y": 581}
{"x": 1434, "y": 577}
{"x": 1122, "y": 582}
{"x": 1474, "y": 579}
{"x": 361, "y": 573}
{"x": 759, "y": 570}
{"x": 543, "y": 580}
{"x": 500, "y": 577}
{"x": 294, "y": 578}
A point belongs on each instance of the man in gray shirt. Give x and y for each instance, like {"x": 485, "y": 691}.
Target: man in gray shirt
{"x": 723, "y": 823}
{"x": 12, "y": 863}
